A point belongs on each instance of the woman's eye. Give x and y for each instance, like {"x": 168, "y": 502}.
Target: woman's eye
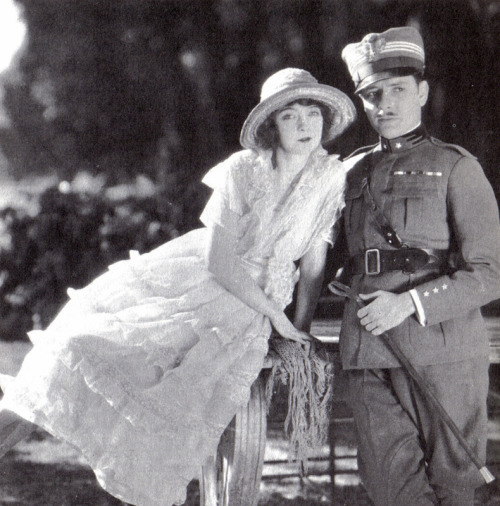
{"x": 315, "y": 112}
{"x": 287, "y": 116}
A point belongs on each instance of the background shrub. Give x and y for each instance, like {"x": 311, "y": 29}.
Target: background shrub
{"x": 67, "y": 235}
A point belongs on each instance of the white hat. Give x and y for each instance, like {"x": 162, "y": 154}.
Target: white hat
{"x": 292, "y": 84}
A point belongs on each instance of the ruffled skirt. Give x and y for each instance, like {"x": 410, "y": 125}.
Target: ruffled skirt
{"x": 143, "y": 369}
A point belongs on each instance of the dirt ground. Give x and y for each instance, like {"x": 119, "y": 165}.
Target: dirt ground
{"x": 42, "y": 471}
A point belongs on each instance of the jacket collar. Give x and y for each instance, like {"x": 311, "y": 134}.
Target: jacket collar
{"x": 405, "y": 142}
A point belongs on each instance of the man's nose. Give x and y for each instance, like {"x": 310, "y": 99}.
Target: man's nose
{"x": 385, "y": 103}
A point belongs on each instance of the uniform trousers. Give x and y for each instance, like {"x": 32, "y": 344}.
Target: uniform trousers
{"x": 406, "y": 455}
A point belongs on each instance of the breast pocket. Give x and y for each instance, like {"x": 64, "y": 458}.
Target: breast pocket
{"x": 353, "y": 207}
{"x": 413, "y": 201}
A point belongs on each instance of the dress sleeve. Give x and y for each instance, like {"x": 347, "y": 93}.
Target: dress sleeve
{"x": 334, "y": 202}
{"x": 330, "y": 231}
{"x": 227, "y": 203}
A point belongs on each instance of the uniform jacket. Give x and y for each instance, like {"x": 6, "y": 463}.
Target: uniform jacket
{"x": 435, "y": 195}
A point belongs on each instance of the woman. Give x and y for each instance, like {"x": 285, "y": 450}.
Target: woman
{"x": 144, "y": 368}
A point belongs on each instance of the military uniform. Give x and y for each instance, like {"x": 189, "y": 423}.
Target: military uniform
{"x": 437, "y": 199}
{"x": 435, "y": 196}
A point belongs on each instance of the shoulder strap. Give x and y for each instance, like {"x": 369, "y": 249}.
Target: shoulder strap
{"x": 390, "y": 235}
{"x": 388, "y": 232}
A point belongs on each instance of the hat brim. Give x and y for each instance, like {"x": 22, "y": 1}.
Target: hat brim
{"x": 344, "y": 111}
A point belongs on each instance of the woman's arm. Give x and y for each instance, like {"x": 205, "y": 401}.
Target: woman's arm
{"x": 225, "y": 265}
{"x": 312, "y": 269}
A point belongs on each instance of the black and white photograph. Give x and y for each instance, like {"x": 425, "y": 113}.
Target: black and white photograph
{"x": 249, "y": 253}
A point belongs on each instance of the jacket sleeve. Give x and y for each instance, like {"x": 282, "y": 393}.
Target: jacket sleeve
{"x": 474, "y": 221}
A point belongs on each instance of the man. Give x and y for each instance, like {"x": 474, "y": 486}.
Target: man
{"x": 423, "y": 236}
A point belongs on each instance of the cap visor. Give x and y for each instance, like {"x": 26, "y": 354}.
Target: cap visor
{"x": 386, "y": 74}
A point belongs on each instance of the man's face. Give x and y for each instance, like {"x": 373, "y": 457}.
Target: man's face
{"x": 394, "y": 105}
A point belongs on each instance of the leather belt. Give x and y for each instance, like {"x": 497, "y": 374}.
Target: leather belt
{"x": 375, "y": 261}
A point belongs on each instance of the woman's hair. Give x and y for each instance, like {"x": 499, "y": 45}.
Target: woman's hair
{"x": 267, "y": 136}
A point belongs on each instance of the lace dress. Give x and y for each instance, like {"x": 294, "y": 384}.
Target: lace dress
{"x": 143, "y": 369}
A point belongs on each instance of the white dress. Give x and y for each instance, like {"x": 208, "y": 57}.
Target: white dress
{"x": 143, "y": 369}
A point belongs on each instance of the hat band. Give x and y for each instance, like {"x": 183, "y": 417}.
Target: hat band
{"x": 370, "y": 68}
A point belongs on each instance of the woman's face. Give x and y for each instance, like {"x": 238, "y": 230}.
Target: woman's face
{"x": 300, "y": 128}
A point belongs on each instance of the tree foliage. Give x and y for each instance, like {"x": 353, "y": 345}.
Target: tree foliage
{"x": 162, "y": 87}
{"x": 71, "y": 238}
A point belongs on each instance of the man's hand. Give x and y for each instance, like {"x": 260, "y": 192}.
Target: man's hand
{"x": 386, "y": 311}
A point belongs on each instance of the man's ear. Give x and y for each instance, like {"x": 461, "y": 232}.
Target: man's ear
{"x": 423, "y": 92}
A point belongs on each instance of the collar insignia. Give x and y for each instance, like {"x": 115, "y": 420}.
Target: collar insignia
{"x": 407, "y": 141}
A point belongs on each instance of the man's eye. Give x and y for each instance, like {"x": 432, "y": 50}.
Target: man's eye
{"x": 399, "y": 89}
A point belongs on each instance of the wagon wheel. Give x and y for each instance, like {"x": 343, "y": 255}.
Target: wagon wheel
{"x": 235, "y": 478}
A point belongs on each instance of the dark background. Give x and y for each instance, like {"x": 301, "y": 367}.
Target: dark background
{"x": 162, "y": 87}
{"x": 109, "y": 90}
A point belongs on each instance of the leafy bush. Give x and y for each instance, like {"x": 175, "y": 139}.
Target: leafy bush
{"x": 66, "y": 236}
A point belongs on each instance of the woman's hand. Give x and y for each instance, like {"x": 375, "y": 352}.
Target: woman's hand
{"x": 286, "y": 329}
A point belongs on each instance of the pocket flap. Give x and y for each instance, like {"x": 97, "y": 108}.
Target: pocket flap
{"x": 414, "y": 184}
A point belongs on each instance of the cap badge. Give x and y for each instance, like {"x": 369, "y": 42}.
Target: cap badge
{"x": 371, "y": 46}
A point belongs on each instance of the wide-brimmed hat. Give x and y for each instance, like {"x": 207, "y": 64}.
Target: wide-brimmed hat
{"x": 291, "y": 84}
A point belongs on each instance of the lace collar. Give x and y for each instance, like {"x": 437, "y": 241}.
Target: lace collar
{"x": 302, "y": 184}
{"x": 265, "y": 162}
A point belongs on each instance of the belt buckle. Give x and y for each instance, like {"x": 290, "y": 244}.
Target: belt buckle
{"x": 372, "y": 256}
